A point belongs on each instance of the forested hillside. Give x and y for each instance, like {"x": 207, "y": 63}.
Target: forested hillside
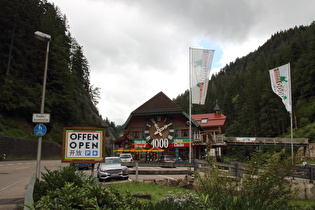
{"x": 70, "y": 97}
{"x": 243, "y": 91}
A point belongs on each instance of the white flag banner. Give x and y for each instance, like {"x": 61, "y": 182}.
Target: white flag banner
{"x": 280, "y": 78}
{"x": 201, "y": 61}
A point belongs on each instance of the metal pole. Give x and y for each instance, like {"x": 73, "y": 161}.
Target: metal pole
{"x": 39, "y": 146}
{"x": 190, "y": 102}
{"x": 291, "y": 114}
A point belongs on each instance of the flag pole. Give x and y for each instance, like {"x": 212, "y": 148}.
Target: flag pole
{"x": 190, "y": 102}
{"x": 291, "y": 117}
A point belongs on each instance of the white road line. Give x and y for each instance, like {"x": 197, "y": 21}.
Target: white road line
{"x": 168, "y": 177}
{"x": 21, "y": 168}
{"x": 13, "y": 184}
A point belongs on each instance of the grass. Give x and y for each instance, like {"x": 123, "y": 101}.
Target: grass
{"x": 156, "y": 191}
{"x": 303, "y": 204}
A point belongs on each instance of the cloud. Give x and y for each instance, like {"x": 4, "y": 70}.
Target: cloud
{"x": 138, "y": 48}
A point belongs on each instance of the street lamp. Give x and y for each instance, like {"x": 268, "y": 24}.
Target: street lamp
{"x": 43, "y": 37}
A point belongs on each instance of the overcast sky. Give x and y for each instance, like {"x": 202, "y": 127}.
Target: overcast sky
{"x": 137, "y": 48}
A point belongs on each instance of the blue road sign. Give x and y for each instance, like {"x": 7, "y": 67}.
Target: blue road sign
{"x": 40, "y": 129}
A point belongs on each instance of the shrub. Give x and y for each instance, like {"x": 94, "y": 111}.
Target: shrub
{"x": 262, "y": 187}
{"x": 177, "y": 201}
{"x": 72, "y": 189}
{"x": 265, "y": 179}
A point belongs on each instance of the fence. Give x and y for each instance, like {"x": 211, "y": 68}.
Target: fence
{"x": 237, "y": 169}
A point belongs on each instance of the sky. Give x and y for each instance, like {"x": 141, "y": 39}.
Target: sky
{"x": 137, "y": 48}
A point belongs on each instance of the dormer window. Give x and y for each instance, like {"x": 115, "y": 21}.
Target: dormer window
{"x": 204, "y": 120}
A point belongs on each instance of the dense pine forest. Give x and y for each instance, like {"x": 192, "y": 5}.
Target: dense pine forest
{"x": 70, "y": 97}
{"x": 243, "y": 91}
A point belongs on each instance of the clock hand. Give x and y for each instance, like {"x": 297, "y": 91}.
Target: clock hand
{"x": 158, "y": 130}
{"x": 162, "y": 129}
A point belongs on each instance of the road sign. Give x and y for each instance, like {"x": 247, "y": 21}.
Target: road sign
{"x": 41, "y": 118}
{"x": 40, "y": 129}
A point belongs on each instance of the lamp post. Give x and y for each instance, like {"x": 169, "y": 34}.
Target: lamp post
{"x": 43, "y": 37}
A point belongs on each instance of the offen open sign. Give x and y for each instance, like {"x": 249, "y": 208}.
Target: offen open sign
{"x": 83, "y": 144}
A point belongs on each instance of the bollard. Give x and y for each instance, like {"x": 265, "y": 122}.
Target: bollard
{"x": 195, "y": 165}
{"x": 92, "y": 170}
{"x": 236, "y": 169}
{"x": 136, "y": 171}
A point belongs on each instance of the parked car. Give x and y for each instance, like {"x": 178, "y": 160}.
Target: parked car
{"x": 83, "y": 166}
{"x": 111, "y": 169}
{"x": 166, "y": 159}
{"x": 126, "y": 157}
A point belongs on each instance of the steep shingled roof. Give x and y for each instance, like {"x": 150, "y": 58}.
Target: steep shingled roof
{"x": 158, "y": 103}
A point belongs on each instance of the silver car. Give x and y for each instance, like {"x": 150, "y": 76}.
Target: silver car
{"x": 111, "y": 169}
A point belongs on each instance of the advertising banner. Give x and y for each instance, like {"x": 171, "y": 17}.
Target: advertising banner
{"x": 201, "y": 61}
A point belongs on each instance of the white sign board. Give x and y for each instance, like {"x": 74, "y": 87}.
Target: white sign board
{"x": 245, "y": 139}
{"x": 41, "y": 118}
{"x": 83, "y": 145}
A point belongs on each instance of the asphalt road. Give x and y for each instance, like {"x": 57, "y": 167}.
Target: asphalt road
{"x": 14, "y": 178}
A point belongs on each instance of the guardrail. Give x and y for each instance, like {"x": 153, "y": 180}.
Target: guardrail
{"x": 28, "y": 199}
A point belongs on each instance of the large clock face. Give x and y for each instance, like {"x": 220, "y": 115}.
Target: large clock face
{"x": 159, "y": 131}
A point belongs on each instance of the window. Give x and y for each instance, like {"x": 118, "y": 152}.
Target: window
{"x": 135, "y": 134}
{"x": 204, "y": 120}
{"x": 185, "y": 132}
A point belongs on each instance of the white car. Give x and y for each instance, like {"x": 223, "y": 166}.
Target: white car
{"x": 112, "y": 169}
{"x": 126, "y": 157}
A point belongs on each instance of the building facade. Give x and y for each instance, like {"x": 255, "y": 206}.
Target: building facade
{"x": 161, "y": 123}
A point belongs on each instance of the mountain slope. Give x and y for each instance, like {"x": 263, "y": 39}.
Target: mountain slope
{"x": 243, "y": 91}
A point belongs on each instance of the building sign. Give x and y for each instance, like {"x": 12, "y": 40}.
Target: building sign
{"x": 161, "y": 143}
{"x": 141, "y": 144}
{"x": 83, "y": 144}
{"x": 179, "y": 143}
{"x": 245, "y": 139}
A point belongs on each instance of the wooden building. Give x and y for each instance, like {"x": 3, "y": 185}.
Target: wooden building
{"x": 161, "y": 123}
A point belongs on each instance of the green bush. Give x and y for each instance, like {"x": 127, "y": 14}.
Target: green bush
{"x": 72, "y": 189}
{"x": 177, "y": 201}
{"x": 262, "y": 187}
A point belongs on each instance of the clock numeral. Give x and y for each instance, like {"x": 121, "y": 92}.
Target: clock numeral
{"x": 160, "y": 143}
{"x": 171, "y": 130}
{"x": 149, "y": 125}
{"x": 170, "y": 137}
{"x": 148, "y": 138}
{"x": 146, "y": 131}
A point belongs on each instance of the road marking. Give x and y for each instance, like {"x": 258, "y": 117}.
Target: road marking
{"x": 168, "y": 177}
{"x": 13, "y": 184}
{"x": 21, "y": 168}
